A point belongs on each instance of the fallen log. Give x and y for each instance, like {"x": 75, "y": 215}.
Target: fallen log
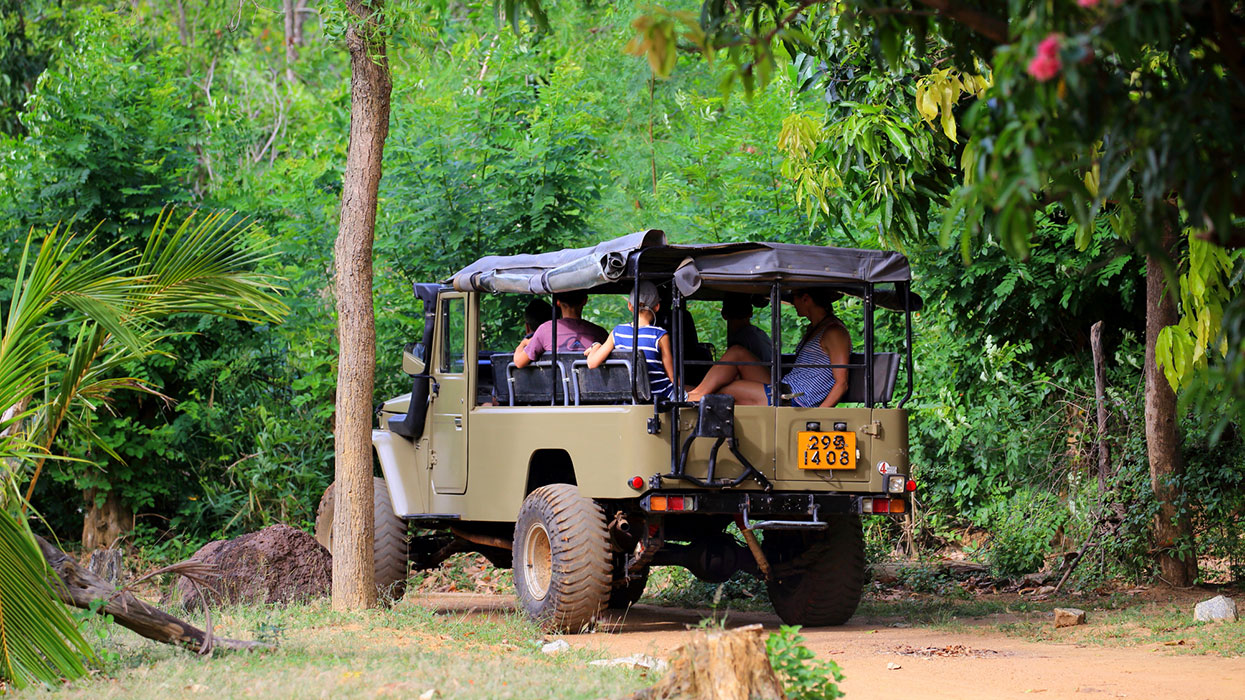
{"x": 79, "y": 587}
{"x": 719, "y": 665}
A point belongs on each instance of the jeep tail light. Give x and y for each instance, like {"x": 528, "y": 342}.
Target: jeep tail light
{"x": 897, "y": 505}
{"x": 879, "y": 506}
{"x": 657, "y": 503}
{"x": 682, "y": 503}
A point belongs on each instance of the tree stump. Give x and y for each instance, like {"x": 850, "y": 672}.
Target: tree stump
{"x": 106, "y": 564}
{"x": 719, "y": 665}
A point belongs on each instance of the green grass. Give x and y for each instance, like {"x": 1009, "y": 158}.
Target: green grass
{"x": 1164, "y": 625}
{"x": 400, "y": 652}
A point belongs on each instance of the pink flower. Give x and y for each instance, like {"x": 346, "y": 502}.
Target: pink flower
{"x": 1087, "y": 3}
{"x": 1046, "y": 64}
{"x": 1049, "y": 47}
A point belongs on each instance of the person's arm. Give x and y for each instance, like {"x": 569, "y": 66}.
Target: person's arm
{"x": 837, "y": 345}
{"x": 599, "y": 351}
{"x": 528, "y": 350}
{"x": 667, "y": 356}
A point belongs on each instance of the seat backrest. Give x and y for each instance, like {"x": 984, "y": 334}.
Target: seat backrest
{"x": 501, "y": 387}
{"x": 885, "y": 371}
{"x": 533, "y": 385}
{"x": 609, "y": 383}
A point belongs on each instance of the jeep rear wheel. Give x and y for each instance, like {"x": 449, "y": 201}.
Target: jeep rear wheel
{"x": 818, "y": 577}
{"x": 389, "y": 543}
{"x": 561, "y": 557}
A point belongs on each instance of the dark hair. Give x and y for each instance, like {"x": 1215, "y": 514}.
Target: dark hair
{"x": 537, "y": 312}
{"x": 825, "y": 298}
{"x": 575, "y": 297}
{"x": 737, "y": 306}
{"x": 821, "y": 296}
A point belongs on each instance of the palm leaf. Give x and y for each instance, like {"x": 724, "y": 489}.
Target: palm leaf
{"x": 38, "y": 640}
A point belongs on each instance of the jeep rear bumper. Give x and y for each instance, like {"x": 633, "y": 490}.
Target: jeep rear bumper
{"x": 776, "y": 511}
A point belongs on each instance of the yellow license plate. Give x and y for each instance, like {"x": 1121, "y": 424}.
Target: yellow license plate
{"x": 818, "y": 450}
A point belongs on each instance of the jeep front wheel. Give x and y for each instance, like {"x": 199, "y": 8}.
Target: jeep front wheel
{"x": 561, "y": 558}
{"x": 818, "y": 577}
{"x": 389, "y": 540}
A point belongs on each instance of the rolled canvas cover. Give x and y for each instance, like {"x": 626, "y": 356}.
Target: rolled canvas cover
{"x": 558, "y": 271}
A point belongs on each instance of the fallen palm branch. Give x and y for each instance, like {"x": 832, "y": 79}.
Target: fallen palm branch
{"x": 80, "y": 588}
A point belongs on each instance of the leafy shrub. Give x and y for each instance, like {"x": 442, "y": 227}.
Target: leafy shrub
{"x": 1022, "y": 530}
{"x": 803, "y": 676}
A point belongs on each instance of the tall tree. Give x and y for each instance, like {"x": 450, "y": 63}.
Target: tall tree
{"x": 370, "y": 86}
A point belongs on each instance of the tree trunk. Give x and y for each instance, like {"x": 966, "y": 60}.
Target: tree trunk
{"x": 78, "y": 587}
{"x": 295, "y": 12}
{"x": 104, "y": 525}
{"x": 1173, "y": 529}
{"x": 353, "y": 568}
{"x": 1100, "y": 398}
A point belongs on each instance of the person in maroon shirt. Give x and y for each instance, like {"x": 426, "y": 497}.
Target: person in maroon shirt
{"x": 574, "y": 333}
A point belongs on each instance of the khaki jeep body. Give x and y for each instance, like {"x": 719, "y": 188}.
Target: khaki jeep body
{"x": 583, "y": 489}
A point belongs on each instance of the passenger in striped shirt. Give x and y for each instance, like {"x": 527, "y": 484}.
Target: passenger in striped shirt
{"x": 826, "y": 342}
{"x": 653, "y": 340}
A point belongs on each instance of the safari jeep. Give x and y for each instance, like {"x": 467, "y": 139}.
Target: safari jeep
{"x": 578, "y": 480}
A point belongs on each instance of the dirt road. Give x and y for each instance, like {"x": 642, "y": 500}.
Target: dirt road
{"x": 974, "y": 664}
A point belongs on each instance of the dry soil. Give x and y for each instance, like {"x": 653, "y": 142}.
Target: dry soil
{"x": 968, "y": 663}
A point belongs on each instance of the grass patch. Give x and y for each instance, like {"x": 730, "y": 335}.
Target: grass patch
{"x": 1166, "y": 626}
{"x": 400, "y": 652}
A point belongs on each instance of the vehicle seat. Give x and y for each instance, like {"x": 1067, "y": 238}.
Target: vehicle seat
{"x": 533, "y": 385}
{"x": 885, "y": 371}
{"x": 610, "y": 383}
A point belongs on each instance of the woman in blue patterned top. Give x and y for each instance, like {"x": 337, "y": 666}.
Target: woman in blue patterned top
{"x": 826, "y": 342}
{"x": 653, "y": 340}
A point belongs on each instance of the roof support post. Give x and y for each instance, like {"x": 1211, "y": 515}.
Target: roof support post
{"x": 869, "y": 345}
{"x": 775, "y": 335}
{"x": 907, "y": 316}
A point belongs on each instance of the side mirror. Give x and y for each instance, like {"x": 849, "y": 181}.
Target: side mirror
{"x": 413, "y": 359}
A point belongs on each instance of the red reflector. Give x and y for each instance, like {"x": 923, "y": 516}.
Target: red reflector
{"x": 911, "y": 485}
{"x": 676, "y": 503}
{"x": 637, "y": 483}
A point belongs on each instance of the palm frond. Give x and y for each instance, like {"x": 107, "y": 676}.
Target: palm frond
{"x": 39, "y": 642}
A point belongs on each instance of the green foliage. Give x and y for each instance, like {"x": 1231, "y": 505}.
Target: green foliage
{"x": 39, "y": 643}
{"x": 105, "y": 130}
{"x": 1022, "y": 528}
{"x": 803, "y": 675}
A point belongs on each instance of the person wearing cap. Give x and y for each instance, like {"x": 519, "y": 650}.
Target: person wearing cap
{"x": 737, "y": 312}
{"x": 654, "y": 342}
{"x": 826, "y": 342}
{"x": 574, "y": 333}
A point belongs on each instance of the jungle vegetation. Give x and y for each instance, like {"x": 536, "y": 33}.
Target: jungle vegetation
{"x": 1039, "y": 163}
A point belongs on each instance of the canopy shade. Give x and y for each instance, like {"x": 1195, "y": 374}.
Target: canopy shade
{"x": 704, "y": 271}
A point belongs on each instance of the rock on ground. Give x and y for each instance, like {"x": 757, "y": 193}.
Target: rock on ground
{"x": 1069, "y": 617}
{"x": 1217, "y": 608}
{"x": 278, "y": 564}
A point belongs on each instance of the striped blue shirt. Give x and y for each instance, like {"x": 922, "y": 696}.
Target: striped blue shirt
{"x": 624, "y": 340}
{"x": 814, "y": 382}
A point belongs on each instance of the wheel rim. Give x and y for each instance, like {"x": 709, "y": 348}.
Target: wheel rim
{"x": 538, "y": 562}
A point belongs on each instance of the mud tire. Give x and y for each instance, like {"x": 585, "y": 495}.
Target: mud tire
{"x": 389, "y": 545}
{"x": 818, "y": 577}
{"x": 562, "y": 560}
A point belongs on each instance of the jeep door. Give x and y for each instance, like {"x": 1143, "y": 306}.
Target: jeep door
{"x": 450, "y": 409}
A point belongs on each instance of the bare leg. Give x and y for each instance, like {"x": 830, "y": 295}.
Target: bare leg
{"x": 719, "y": 376}
{"x": 746, "y": 392}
